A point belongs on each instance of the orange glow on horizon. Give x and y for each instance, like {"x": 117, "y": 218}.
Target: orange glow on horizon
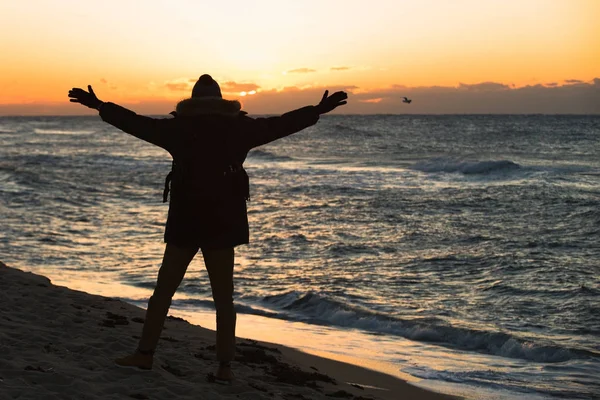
{"x": 137, "y": 55}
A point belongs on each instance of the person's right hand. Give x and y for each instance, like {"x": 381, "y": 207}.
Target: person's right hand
{"x": 88, "y": 99}
{"x": 329, "y": 103}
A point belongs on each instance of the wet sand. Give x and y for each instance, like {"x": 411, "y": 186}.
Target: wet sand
{"x": 58, "y": 343}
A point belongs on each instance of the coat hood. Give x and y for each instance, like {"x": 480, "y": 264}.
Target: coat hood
{"x": 208, "y": 106}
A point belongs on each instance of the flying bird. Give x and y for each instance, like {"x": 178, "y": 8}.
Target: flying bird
{"x": 406, "y": 100}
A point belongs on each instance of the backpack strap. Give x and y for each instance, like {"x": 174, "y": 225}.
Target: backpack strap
{"x": 238, "y": 177}
{"x": 168, "y": 183}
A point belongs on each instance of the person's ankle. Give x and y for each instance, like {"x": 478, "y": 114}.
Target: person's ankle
{"x": 143, "y": 352}
{"x": 224, "y": 372}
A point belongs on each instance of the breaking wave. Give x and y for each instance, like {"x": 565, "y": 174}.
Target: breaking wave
{"x": 466, "y": 167}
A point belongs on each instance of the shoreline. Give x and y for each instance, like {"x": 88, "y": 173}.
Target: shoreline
{"x": 60, "y": 343}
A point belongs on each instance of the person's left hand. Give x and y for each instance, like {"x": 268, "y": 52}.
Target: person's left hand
{"x": 88, "y": 99}
{"x": 329, "y": 103}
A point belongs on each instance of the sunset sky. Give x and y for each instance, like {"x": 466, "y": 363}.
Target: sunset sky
{"x": 449, "y": 56}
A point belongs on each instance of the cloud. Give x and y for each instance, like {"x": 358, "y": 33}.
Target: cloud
{"x": 571, "y": 81}
{"x": 482, "y": 98}
{"x": 340, "y": 68}
{"x": 290, "y": 89}
{"x": 483, "y": 87}
{"x": 111, "y": 86}
{"x": 236, "y": 87}
{"x": 278, "y": 101}
{"x": 301, "y": 71}
{"x": 180, "y": 84}
{"x": 376, "y": 100}
{"x": 177, "y": 86}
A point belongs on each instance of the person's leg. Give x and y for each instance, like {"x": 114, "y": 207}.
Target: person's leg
{"x": 219, "y": 264}
{"x": 175, "y": 262}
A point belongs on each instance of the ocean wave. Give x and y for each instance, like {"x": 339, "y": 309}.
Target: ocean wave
{"x": 5, "y": 128}
{"x": 60, "y": 132}
{"x": 264, "y": 155}
{"x": 466, "y": 167}
{"x": 343, "y": 127}
{"x": 42, "y": 159}
{"x": 315, "y": 308}
{"x": 512, "y": 387}
{"x": 349, "y": 129}
{"x": 341, "y": 249}
{"x": 499, "y": 288}
{"x": 239, "y": 308}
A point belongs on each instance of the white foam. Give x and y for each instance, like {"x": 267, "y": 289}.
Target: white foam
{"x": 60, "y": 132}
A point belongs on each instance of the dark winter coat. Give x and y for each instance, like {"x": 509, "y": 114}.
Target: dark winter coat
{"x": 208, "y": 140}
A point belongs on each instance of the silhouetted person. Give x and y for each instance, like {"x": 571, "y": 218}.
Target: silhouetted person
{"x": 209, "y": 139}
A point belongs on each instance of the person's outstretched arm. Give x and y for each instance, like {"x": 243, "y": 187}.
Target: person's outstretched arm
{"x": 266, "y": 130}
{"x": 152, "y": 130}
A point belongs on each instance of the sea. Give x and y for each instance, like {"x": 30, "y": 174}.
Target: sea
{"x": 460, "y": 251}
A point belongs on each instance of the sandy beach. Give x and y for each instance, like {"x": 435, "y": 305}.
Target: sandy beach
{"x": 58, "y": 343}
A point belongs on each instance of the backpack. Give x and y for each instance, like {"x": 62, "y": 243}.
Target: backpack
{"x": 235, "y": 173}
{"x": 234, "y": 176}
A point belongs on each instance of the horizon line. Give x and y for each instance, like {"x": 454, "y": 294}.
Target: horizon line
{"x": 329, "y": 115}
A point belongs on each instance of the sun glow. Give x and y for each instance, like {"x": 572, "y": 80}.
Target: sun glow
{"x": 138, "y": 55}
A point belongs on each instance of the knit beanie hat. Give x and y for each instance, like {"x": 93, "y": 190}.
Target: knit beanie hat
{"x": 206, "y": 87}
